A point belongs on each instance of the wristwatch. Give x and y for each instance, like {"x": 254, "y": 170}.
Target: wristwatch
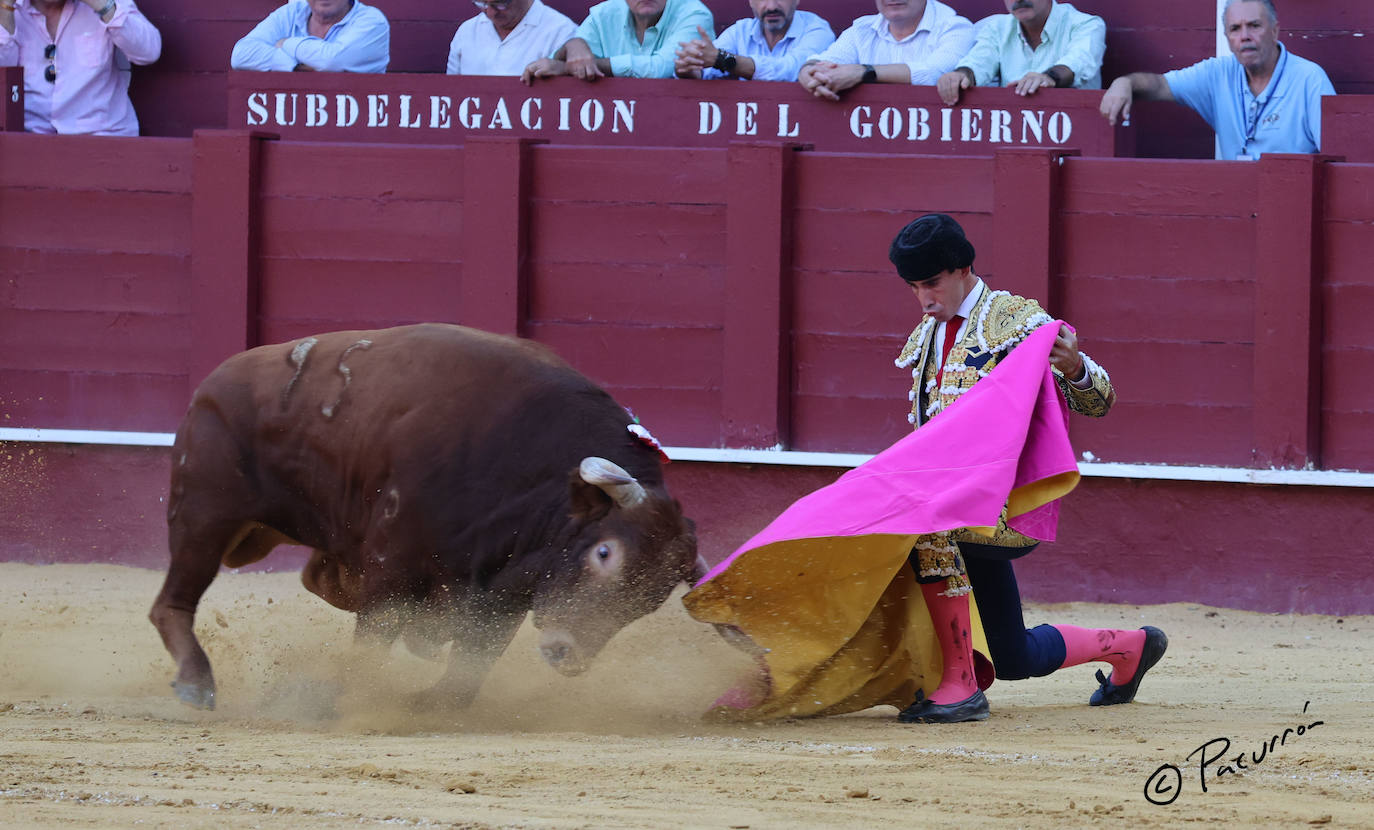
{"x": 870, "y": 74}
{"x": 725, "y": 61}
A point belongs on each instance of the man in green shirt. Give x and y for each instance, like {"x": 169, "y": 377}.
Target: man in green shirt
{"x": 1038, "y": 44}
{"x": 626, "y": 39}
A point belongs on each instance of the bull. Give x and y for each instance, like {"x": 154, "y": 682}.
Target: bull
{"x": 448, "y": 481}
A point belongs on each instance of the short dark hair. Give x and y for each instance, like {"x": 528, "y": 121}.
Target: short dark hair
{"x": 930, "y": 245}
{"x": 1268, "y": 7}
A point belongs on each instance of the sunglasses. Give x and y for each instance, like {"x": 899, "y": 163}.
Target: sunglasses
{"x": 498, "y": 5}
{"x": 49, "y": 54}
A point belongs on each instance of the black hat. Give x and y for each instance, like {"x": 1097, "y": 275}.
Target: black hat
{"x": 928, "y": 246}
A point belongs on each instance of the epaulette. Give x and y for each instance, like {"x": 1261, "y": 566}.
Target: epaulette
{"x": 912, "y": 349}
{"x": 1005, "y": 319}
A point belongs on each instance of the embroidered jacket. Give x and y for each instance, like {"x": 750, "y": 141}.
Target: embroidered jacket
{"x": 998, "y": 322}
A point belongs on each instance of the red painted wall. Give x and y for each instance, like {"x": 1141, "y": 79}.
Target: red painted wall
{"x": 185, "y": 89}
{"x": 1222, "y": 296}
{"x": 1121, "y": 540}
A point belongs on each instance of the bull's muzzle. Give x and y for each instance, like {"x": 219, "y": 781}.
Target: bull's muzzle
{"x": 560, "y": 651}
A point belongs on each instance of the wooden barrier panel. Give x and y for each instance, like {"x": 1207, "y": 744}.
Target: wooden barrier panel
{"x": 734, "y": 297}
{"x": 878, "y": 118}
{"x": 1347, "y": 127}
{"x": 12, "y": 109}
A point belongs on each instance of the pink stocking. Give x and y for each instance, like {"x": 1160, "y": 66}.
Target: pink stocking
{"x": 953, "y": 630}
{"x": 1089, "y": 645}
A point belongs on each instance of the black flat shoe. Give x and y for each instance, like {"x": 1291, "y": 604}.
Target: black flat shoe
{"x": 973, "y": 707}
{"x": 1108, "y": 694}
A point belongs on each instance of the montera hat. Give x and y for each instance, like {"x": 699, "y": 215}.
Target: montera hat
{"x": 928, "y": 246}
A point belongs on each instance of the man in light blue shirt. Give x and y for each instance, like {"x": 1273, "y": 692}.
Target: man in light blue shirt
{"x": 906, "y": 42}
{"x": 625, "y": 39}
{"x": 770, "y": 46}
{"x": 1038, "y": 44}
{"x": 319, "y": 35}
{"x": 1267, "y": 100}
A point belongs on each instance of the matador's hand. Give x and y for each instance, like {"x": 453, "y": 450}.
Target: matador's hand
{"x": 1065, "y": 356}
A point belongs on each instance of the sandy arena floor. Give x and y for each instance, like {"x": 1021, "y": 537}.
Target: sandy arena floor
{"x": 310, "y": 735}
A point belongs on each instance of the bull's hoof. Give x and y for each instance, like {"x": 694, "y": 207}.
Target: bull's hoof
{"x": 198, "y": 697}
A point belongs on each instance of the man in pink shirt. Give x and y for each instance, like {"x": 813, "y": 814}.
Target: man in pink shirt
{"x": 76, "y": 56}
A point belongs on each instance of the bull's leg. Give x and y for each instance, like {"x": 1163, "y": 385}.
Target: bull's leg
{"x": 478, "y": 642}
{"x": 193, "y": 567}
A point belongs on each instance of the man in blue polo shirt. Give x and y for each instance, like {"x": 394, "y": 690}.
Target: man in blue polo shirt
{"x": 1267, "y": 100}
{"x": 319, "y": 35}
{"x": 770, "y": 46}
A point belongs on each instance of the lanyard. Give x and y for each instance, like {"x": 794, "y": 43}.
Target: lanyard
{"x": 1252, "y": 122}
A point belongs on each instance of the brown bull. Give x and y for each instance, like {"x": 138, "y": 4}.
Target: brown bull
{"x": 448, "y": 481}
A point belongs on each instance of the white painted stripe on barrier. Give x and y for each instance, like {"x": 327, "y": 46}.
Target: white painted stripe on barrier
{"x": 1165, "y": 472}
{"x": 88, "y": 436}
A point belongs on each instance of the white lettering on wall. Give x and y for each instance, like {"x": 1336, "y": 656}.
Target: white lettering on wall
{"x": 1061, "y": 127}
{"x": 408, "y": 120}
{"x": 531, "y": 106}
{"x": 346, "y": 110}
{"x": 971, "y": 126}
{"x": 858, "y": 123}
{"x": 316, "y": 110}
{"x": 281, "y": 109}
{"x": 593, "y": 114}
{"x": 438, "y": 112}
{"x": 999, "y": 126}
{"x": 782, "y": 123}
{"x": 890, "y": 122}
{"x": 563, "y": 105}
{"x": 946, "y": 133}
{"x": 500, "y": 119}
{"x": 1033, "y": 121}
{"x": 622, "y": 112}
{"x": 918, "y": 120}
{"x": 746, "y": 118}
{"x": 466, "y": 113}
{"x": 257, "y": 109}
{"x": 710, "y": 118}
{"x": 376, "y": 110}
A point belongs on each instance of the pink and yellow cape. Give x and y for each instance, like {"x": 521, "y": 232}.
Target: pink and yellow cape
{"x": 826, "y": 589}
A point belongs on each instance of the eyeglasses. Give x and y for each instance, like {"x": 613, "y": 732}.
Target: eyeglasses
{"x": 49, "y": 54}
{"x": 498, "y": 5}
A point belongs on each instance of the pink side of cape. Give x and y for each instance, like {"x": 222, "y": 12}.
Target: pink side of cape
{"x": 1009, "y": 430}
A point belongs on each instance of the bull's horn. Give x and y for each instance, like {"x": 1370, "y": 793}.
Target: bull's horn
{"x": 622, "y": 487}
{"x": 699, "y": 571}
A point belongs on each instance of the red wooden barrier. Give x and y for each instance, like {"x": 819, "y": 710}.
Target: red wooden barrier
{"x": 1347, "y": 125}
{"x": 12, "y": 108}
{"x": 733, "y": 297}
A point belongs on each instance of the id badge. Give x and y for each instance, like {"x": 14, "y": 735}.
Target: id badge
{"x": 1244, "y": 155}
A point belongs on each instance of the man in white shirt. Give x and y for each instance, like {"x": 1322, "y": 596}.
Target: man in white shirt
{"x": 1038, "y": 44}
{"x": 770, "y": 46}
{"x": 907, "y": 42}
{"x": 505, "y": 36}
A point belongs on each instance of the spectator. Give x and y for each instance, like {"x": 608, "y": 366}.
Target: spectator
{"x": 907, "y": 42}
{"x": 1038, "y": 44}
{"x": 505, "y": 36}
{"x": 770, "y": 46}
{"x": 1267, "y": 100}
{"x": 76, "y": 56}
{"x": 317, "y": 35}
{"x": 626, "y": 39}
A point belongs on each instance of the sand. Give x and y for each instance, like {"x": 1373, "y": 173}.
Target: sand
{"x": 311, "y": 733}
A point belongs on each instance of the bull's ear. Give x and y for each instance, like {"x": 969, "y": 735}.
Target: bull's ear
{"x": 588, "y": 501}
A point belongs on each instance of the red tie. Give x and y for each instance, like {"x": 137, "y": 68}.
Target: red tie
{"x": 951, "y": 333}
